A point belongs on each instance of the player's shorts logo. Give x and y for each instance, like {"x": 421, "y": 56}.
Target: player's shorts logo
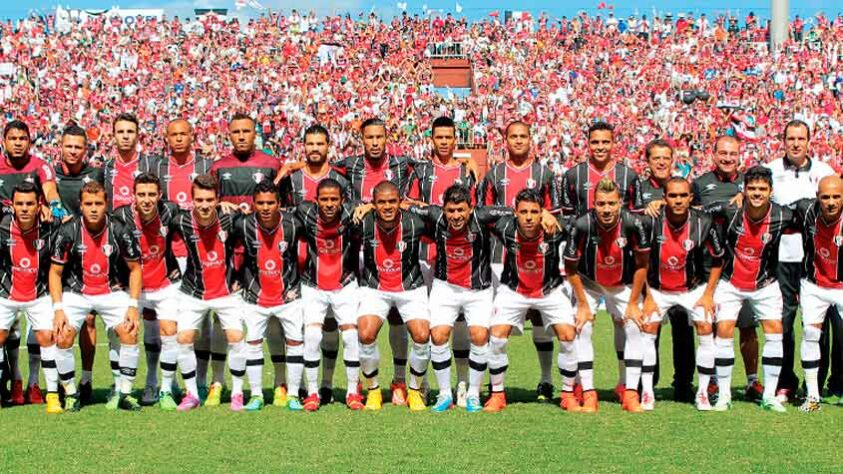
{"x": 621, "y": 241}
{"x": 269, "y": 265}
{"x": 181, "y": 197}
{"x": 124, "y": 190}
{"x": 25, "y": 263}
{"x": 95, "y": 269}
{"x": 212, "y": 256}
{"x": 282, "y": 246}
{"x": 838, "y": 240}
{"x": 688, "y": 245}
{"x": 107, "y": 249}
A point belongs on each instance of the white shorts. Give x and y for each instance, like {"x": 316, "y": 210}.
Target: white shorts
{"x": 111, "y": 307}
{"x": 615, "y": 298}
{"x": 511, "y": 308}
{"x": 447, "y": 301}
{"x": 165, "y": 302}
{"x": 666, "y": 300}
{"x": 815, "y": 301}
{"x": 342, "y": 303}
{"x": 192, "y": 311}
{"x": 411, "y": 305}
{"x": 182, "y": 262}
{"x": 39, "y": 313}
{"x": 766, "y": 303}
{"x": 289, "y": 315}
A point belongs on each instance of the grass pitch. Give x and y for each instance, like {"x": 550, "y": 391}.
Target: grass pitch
{"x": 526, "y": 437}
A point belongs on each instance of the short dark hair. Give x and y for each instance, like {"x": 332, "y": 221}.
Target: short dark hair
{"x": 513, "y": 123}
{"x": 443, "y": 122}
{"x": 16, "y": 125}
{"x": 372, "y": 122}
{"x": 328, "y": 183}
{"x": 266, "y": 186}
{"x": 383, "y": 186}
{"x": 147, "y": 178}
{"x": 457, "y": 194}
{"x": 92, "y": 187}
{"x": 657, "y": 143}
{"x": 600, "y": 126}
{"x": 241, "y": 116}
{"x": 204, "y": 181}
{"x": 25, "y": 187}
{"x": 677, "y": 179}
{"x": 758, "y": 173}
{"x": 125, "y": 117}
{"x": 528, "y": 195}
{"x": 796, "y": 124}
{"x": 317, "y": 130}
{"x": 74, "y": 130}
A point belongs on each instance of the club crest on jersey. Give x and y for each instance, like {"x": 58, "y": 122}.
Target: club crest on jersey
{"x": 621, "y": 241}
{"x": 282, "y": 246}
{"x": 688, "y": 245}
{"x": 163, "y": 231}
{"x": 258, "y": 177}
{"x": 471, "y": 237}
{"x": 531, "y": 183}
{"x": 838, "y": 240}
{"x": 766, "y": 238}
{"x": 39, "y": 244}
{"x": 193, "y": 176}
{"x": 388, "y": 175}
{"x": 543, "y": 247}
{"x": 222, "y": 235}
{"x": 107, "y": 249}
{"x": 402, "y": 246}
{"x": 458, "y": 181}
{"x": 86, "y": 180}
{"x": 136, "y": 173}
{"x": 340, "y": 229}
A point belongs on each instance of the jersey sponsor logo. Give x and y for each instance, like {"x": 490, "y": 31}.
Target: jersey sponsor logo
{"x": 95, "y": 269}
{"x": 824, "y": 253}
{"x": 213, "y": 256}
{"x": 25, "y": 263}
{"x": 270, "y": 265}
{"x": 672, "y": 263}
{"x": 154, "y": 251}
{"x": 107, "y": 249}
{"x": 609, "y": 260}
{"x": 530, "y": 265}
{"x": 181, "y": 197}
{"x": 688, "y": 245}
{"x": 388, "y": 266}
{"x": 124, "y": 190}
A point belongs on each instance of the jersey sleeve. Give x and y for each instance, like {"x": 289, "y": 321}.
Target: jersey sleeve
{"x": 641, "y": 228}
{"x": 285, "y": 189}
{"x": 63, "y": 242}
{"x": 800, "y": 211}
{"x": 492, "y": 214}
{"x": 428, "y": 214}
{"x": 551, "y": 193}
{"x": 46, "y": 173}
{"x": 576, "y": 239}
{"x": 341, "y": 166}
{"x": 634, "y": 196}
{"x": 125, "y": 237}
{"x": 567, "y": 193}
{"x": 713, "y": 237}
{"x": 414, "y": 191}
{"x": 486, "y": 190}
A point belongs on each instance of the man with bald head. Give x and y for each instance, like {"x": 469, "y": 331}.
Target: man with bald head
{"x": 822, "y": 269}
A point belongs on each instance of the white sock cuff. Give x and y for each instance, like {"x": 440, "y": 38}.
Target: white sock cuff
{"x": 811, "y": 333}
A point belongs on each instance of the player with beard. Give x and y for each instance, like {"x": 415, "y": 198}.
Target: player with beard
{"x": 25, "y": 244}
{"x": 499, "y": 187}
{"x": 607, "y": 255}
{"x": 237, "y": 174}
{"x": 716, "y": 189}
{"x": 95, "y": 259}
{"x": 18, "y": 166}
{"x": 72, "y": 172}
{"x": 127, "y": 163}
{"x": 680, "y": 238}
{"x": 751, "y": 237}
{"x": 300, "y": 186}
{"x": 149, "y": 218}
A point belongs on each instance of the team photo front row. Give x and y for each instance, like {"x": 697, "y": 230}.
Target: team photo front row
{"x": 354, "y": 265}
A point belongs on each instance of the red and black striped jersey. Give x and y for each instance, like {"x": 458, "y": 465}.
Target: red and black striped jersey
{"x": 676, "y": 257}
{"x": 160, "y": 268}
{"x": 530, "y": 266}
{"x": 120, "y": 178}
{"x": 578, "y": 185}
{"x": 208, "y": 274}
{"x": 752, "y": 248}
{"x": 606, "y": 256}
{"x": 363, "y": 176}
{"x": 822, "y": 242}
{"x": 237, "y": 178}
{"x": 270, "y": 272}
{"x": 299, "y": 186}
{"x": 504, "y": 181}
{"x": 95, "y": 264}
{"x": 463, "y": 258}
{"x": 35, "y": 171}
{"x": 177, "y": 180}
{"x": 391, "y": 257}
{"x": 69, "y": 186}
{"x": 333, "y": 250}
{"x": 25, "y": 259}
{"x": 430, "y": 179}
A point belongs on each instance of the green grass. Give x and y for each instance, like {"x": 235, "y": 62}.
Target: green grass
{"x": 525, "y": 437}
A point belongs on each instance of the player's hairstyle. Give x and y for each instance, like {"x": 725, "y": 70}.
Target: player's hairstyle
{"x": 147, "y": 178}
{"x": 206, "y": 182}
{"x": 16, "y": 125}
{"x": 317, "y": 130}
{"x": 600, "y": 126}
{"x": 443, "y": 122}
{"x": 25, "y": 187}
{"x": 177, "y": 120}
{"x": 328, "y": 183}
{"x": 606, "y": 185}
{"x": 372, "y": 122}
{"x": 528, "y": 195}
{"x": 657, "y": 143}
{"x": 677, "y": 179}
{"x": 382, "y": 187}
{"x": 457, "y": 194}
{"x": 92, "y": 187}
{"x": 514, "y": 123}
{"x": 725, "y": 138}
{"x": 74, "y": 130}
{"x": 241, "y": 116}
{"x": 266, "y": 186}
{"x": 758, "y": 173}
{"x": 796, "y": 124}
{"x": 125, "y": 117}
